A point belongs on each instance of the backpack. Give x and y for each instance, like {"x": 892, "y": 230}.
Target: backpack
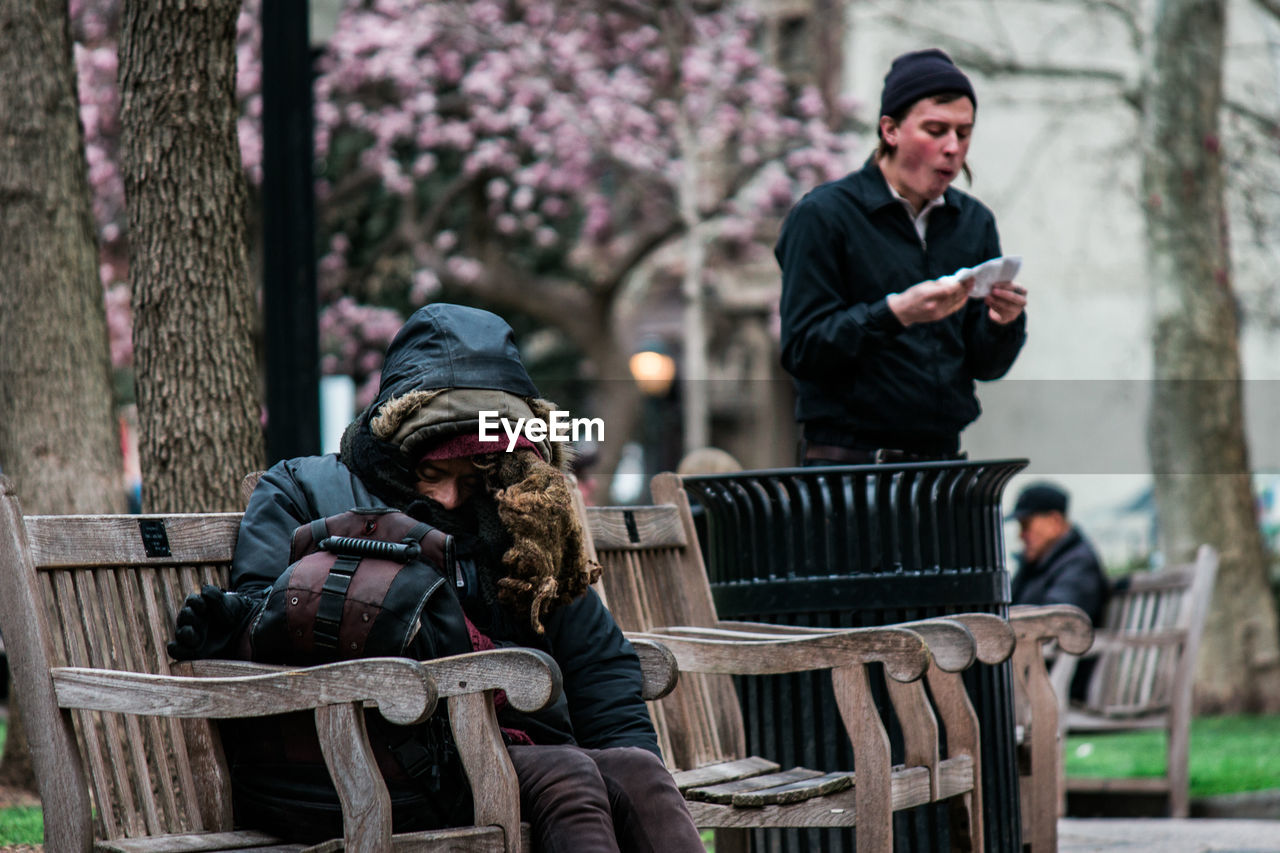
{"x": 365, "y": 583}
{"x": 369, "y": 582}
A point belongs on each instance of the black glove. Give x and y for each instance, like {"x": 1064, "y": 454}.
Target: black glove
{"x": 209, "y": 624}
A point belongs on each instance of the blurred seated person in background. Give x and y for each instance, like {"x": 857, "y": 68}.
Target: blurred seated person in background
{"x": 1057, "y": 564}
{"x": 707, "y": 460}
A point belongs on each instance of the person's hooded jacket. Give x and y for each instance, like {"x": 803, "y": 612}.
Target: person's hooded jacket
{"x": 472, "y": 354}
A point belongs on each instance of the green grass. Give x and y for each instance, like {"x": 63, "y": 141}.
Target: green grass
{"x": 22, "y": 824}
{"x": 1229, "y": 755}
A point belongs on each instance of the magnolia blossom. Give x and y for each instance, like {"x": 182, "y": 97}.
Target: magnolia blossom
{"x": 547, "y": 130}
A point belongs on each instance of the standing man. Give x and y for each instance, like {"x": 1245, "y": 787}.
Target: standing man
{"x": 884, "y": 350}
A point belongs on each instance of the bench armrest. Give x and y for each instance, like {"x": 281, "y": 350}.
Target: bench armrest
{"x": 658, "y": 666}
{"x": 1064, "y": 623}
{"x": 404, "y": 691}
{"x": 954, "y": 641}
{"x": 530, "y": 678}
{"x": 994, "y": 636}
{"x": 717, "y": 650}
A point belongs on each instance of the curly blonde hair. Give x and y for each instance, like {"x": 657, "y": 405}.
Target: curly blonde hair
{"x": 547, "y": 564}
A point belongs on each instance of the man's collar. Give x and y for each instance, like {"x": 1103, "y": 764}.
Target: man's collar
{"x": 871, "y": 188}
{"x": 911, "y": 208}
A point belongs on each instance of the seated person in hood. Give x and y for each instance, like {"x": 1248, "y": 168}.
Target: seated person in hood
{"x": 591, "y": 776}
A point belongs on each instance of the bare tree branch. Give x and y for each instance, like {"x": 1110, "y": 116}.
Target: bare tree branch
{"x": 981, "y": 58}
{"x": 558, "y": 302}
{"x": 643, "y": 248}
{"x": 1268, "y": 124}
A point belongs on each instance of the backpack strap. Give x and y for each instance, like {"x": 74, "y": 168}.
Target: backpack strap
{"x": 332, "y": 598}
{"x": 349, "y": 552}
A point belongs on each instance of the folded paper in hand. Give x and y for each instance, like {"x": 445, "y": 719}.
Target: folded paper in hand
{"x": 987, "y": 274}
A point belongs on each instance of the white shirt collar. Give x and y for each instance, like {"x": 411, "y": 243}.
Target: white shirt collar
{"x": 920, "y": 220}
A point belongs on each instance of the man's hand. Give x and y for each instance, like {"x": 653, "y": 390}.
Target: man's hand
{"x": 1005, "y": 302}
{"x": 209, "y": 624}
{"x": 930, "y": 300}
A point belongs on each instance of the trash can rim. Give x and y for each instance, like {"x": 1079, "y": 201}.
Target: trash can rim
{"x": 882, "y": 467}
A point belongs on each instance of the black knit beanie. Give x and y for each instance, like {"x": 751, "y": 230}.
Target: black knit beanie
{"x": 920, "y": 74}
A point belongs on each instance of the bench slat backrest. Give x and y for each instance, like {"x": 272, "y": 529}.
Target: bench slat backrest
{"x": 109, "y": 594}
{"x": 653, "y": 577}
{"x": 1158, "y": 619}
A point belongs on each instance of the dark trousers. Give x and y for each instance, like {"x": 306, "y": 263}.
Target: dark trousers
{"x": 619, "y": 800}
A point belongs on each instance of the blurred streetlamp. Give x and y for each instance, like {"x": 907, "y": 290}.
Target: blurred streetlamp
{"x": 653, "y": 369}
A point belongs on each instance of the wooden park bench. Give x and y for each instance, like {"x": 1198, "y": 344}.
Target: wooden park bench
{"x": 656, "y": 586}
{"x": 1145, "y": 652}
{"x": 126, "y": 757}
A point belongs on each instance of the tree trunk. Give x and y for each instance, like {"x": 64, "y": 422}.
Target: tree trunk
{"x": 1196, "y": 439}
{"x": 193, "y": 302}
{"x": 59, "y": 439}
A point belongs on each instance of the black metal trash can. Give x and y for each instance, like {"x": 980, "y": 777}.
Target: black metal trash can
{"x": 856, "y": 546}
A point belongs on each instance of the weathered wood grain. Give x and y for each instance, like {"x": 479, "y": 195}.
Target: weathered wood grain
{"x": 403, "y": 689}
{"x": 477, "y": 839}
{"x": 246, "y": 839}
{"x": 25, "y": 622}
{"x": 495, "y": 789}
{"x": 992, "y": 635}
{"x": 366, "y": 805}
{"x": 530, "y": 678}
{"x": 909, "y": 788}
{"x": 636, "y": 528}
{"x": 795, "y": 792}
{"x": 724, "y": 792}
{"x": 658, "y": 667}
{"x": 726, "y": 771}
{"x": 903, "y": 652}
{"x": 60, "y": 542}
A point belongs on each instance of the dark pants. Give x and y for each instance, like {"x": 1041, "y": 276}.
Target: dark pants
{"x": 619, "y": 800}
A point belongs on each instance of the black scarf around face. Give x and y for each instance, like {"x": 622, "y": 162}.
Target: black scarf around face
{"x": 475, "y": 526}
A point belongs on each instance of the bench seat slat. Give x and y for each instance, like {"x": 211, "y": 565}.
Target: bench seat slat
{"x": 726, "y": 771}
{"x": 724, "y": 792}
{"x": 909, "y": 788}
{"x": 200, "y": 842}
{"x": 796, "y": 792}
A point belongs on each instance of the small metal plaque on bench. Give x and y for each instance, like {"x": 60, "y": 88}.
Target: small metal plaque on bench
{"x": 154, "y": 538}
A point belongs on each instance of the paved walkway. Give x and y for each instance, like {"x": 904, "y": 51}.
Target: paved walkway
{"x": 1129, "y": 835}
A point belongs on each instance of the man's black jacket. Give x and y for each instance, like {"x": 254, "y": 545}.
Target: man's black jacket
{"x": 843, "y": 249}
{"x": 1069, "y": 573}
